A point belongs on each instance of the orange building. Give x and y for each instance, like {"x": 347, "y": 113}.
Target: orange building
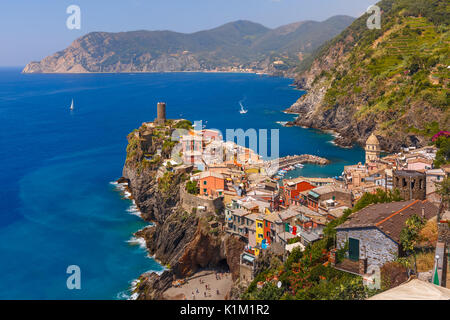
{"x": 267, "y": 231}
{"x": 211, "y": 184}
{"x": 292, "y": 191}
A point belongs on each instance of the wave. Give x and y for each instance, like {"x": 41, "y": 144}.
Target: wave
{"x": 138, "y": 241}
{"x": 134, "y": 210}
{"x": 122, "y": 187}
{"x": 283, "y": 123}
{"x": 243, "y": 110}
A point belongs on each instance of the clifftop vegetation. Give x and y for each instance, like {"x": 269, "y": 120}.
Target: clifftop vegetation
{"x": 394, "y": 80}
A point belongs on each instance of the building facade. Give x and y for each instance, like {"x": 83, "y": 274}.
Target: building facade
{"x": 372, "y": 149}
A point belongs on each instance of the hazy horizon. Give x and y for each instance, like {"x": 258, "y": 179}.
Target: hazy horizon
{"x": 33, "y": 30}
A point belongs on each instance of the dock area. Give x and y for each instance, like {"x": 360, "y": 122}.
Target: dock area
{"x": 273, "y": 166}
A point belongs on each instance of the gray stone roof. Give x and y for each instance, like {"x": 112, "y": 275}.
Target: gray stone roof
{"x": 389, "y": 217}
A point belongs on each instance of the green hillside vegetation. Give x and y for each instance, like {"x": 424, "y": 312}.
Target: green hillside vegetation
{"x": 397, "y": 76}
{"x": 307, "y": 275}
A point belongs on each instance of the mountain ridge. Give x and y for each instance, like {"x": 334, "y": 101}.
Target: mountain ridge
{"x": 235, "y": 46}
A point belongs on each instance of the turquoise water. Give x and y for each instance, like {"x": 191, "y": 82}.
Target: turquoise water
{"x": 58, "y": 207}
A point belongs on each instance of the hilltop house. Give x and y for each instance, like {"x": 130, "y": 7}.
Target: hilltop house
{"x": 373, "y": 233}
{"x": 211, "y": 183}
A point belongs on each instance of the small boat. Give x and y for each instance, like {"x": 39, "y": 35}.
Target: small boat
{"x": 71, "y": 105}
{"x": 242, "y": 111}
{"x": 299, "y": 165}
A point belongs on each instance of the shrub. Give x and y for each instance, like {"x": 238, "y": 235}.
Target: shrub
{"x": 393, "y": 274}
{"x": 192, "y": 187}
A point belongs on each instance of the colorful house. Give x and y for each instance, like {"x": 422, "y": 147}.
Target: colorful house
{"x": 259, "y": 235}
{"x": 292, "y": 191}
{"x": 211, "y": 184}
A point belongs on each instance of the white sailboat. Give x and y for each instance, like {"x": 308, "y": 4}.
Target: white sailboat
{"x": 242, "y": 111}
{"x": 71, "y": 105}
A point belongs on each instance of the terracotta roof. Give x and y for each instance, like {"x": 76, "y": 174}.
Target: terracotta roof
{"x": 389, "y": 217}
{"x": 239, "y": 212}
{"x": 421, "y": 160}
{"x": 206, "y": 174}
{"x": 408, "y": 173}
{"x": 328, "y": 189}
{"x": 288, "y": 213}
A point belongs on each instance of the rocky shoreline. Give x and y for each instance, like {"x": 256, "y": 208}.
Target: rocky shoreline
{"x": 181, "y": 241}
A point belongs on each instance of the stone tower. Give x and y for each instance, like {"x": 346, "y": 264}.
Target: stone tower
{"x": 161, "y": 113}
{"x": 372, "y": 149}
{"x": 411, "y": 184}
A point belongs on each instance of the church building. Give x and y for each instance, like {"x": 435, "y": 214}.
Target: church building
{"x": 372, "y": 149}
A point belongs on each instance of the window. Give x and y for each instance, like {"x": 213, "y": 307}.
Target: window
{"x": 204, "y": 182}
{"x": 260, "y": 236}
{"x": 260, "y": 225}
{"x": 205, "y": 190}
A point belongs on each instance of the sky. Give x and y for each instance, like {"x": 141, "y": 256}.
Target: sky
{"x": 33, "y": 29}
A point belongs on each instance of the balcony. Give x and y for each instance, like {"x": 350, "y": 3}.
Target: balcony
{"x": 348, "y": 265}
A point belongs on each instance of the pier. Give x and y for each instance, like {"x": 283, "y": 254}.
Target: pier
{"x": 273, "y": 166}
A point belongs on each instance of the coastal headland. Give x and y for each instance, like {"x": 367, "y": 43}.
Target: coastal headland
{"x": 189, "y": 236}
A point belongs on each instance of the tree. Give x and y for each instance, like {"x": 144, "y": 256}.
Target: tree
{"x": 192, "y": 188}
{"x": 410, "y": 236}
{"x": 443, "y": 188}
{"x": 443, "y": 154}
{"x": 269, "y": 292}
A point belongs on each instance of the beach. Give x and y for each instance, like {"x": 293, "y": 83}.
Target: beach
{"x": 195, "y": 287}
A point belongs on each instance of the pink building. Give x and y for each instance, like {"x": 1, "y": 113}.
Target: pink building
{"x": 420, "y": 164}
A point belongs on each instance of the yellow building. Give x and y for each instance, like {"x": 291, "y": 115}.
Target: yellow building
{"x": 372, "y": 149}
{"x": 259, "y": 234}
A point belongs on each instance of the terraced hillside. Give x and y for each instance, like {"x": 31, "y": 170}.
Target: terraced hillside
{"x": 392, "y": 81}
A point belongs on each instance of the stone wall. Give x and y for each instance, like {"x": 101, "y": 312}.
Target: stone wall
{"x": 189, "y": 201}
{"x": 411, "y": 185}
{"x": 245, "y": 273}
{"x": 444, "y": 233}
{"x": 374, "y": 245}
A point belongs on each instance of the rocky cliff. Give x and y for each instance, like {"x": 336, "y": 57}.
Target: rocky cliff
{"x": 181, "y": 240}
{"x": 393, "y": 81}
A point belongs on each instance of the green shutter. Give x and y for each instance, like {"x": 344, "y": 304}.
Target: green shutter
{"x": 353, "y": 249}
{"x": 286, "y": 227}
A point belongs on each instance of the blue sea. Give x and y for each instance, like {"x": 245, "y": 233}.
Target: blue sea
{"x": 58, "y": 206}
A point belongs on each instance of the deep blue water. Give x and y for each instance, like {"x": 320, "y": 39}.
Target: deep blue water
{"x": 58, "y": 207}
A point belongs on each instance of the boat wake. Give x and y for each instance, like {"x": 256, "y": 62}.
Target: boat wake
{"x": 243, "y": 110}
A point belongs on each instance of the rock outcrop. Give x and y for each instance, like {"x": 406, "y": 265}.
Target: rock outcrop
{"x": 182, "y": 241}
